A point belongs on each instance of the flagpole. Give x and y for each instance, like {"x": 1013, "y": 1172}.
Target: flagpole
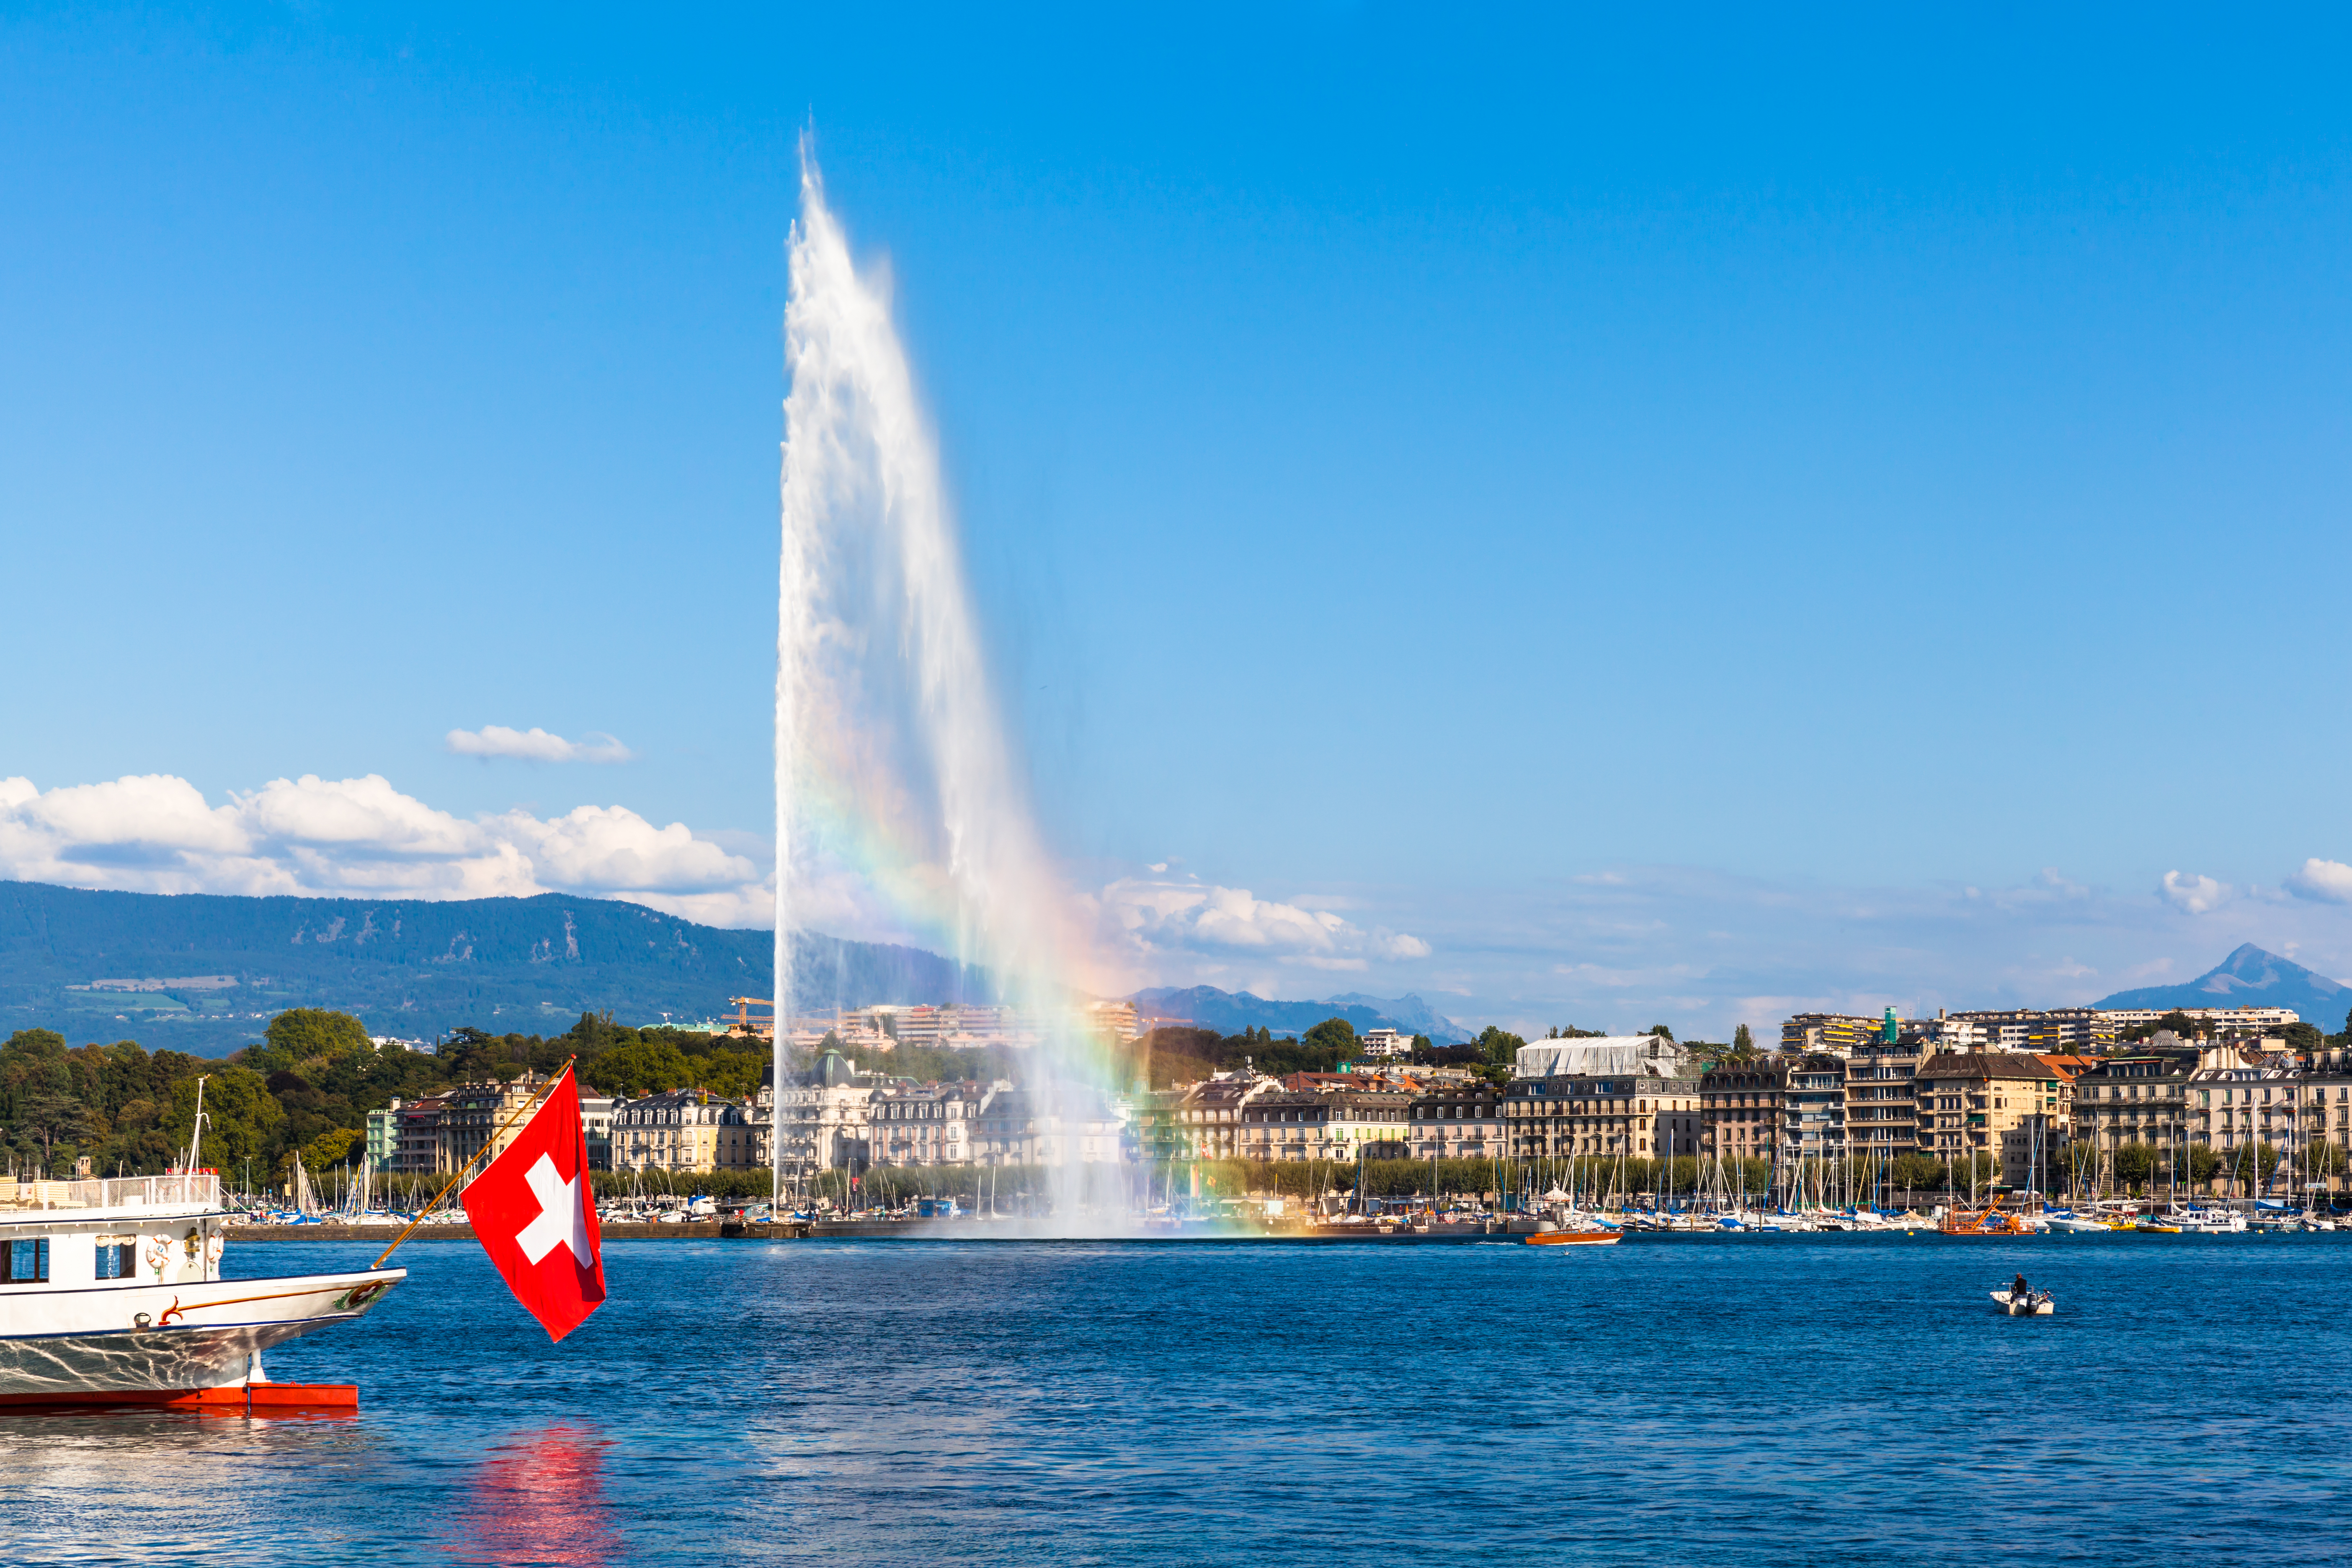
{"x": 487, "y": 1144}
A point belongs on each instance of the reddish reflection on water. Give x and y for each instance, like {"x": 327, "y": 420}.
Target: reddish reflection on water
{"x": 539, "y": 1499}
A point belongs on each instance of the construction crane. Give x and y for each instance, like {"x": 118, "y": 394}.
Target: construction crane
{"x": 765, "y": 1029}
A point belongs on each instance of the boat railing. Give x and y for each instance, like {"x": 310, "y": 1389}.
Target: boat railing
{"x": 202, "y": 1189}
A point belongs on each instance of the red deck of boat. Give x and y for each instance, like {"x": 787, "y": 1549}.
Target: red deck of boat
{"x": 243, "y": 1396}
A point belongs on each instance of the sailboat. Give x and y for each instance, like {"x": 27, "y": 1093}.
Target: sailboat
{"x": 305, "y": 1204}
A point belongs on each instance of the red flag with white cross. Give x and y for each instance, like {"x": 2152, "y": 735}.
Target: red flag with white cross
{"x": 533, "y": 1214}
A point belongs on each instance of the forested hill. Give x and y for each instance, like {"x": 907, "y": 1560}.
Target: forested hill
{"x": 203, "y": 973}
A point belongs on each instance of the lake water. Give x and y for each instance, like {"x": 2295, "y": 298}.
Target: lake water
{"x": 1670, "y": 1400}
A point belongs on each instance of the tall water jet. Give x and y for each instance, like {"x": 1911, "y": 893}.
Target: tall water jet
{"x": 900, "y": 807}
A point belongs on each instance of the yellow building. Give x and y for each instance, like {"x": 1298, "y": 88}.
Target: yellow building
{"x": 683, "y": 1130}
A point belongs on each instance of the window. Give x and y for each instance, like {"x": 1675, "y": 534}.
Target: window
{"x": 25, "y": 1262}
{"x": 117, "y": 1259}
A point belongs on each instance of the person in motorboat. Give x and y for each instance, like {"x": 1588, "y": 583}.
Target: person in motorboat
{"x": 2018, "y": 1290}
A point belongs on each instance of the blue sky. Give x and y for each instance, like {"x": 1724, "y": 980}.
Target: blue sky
{"x": 1574, "y": 488}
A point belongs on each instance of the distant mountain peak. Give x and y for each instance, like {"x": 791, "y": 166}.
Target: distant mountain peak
{"x": 2250, "y": 977}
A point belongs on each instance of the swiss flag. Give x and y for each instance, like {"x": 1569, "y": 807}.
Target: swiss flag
{"x": 535, "y": 1217}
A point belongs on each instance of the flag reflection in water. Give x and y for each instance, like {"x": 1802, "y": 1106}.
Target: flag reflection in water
{"x": 540, "y": 1499}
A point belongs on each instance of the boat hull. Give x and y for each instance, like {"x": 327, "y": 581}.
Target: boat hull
{"x": 2037, "y": 1307}
{"x": 1574, "y": 1238}
{"x": 134, "y": 1343}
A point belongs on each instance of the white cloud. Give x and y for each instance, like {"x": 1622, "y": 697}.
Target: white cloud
{"x": 1154, "y": 918}
{"x": 2329, "y": 881}
{"x": 536, "y": 745}
{"x": 2193, "y": 894}
{"x": 360, "y": 838}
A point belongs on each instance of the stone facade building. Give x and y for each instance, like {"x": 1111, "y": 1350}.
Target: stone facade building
{"x": 1332, "y": 1125}
{"x": 1639, "y": 1116}
{"x": 683, "y": 1130}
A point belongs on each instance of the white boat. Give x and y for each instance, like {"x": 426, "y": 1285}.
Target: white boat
{"x": 2037, "y": 1305}
{"x": 2068, "y": 1223}
{"x": 110, "y": 1292}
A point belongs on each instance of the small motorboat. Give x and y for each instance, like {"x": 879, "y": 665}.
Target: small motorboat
{"x": 2036, "y": 1305}
{"x": 2078, "y": 1224}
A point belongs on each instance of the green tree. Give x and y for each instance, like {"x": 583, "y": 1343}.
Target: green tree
{"x": 1919, "y": 1172}
{"x": 1498, "y": 1046}
{"x": 1743, "y": 1044}
{"x": 1977, "y": 1174}
{"x": 327, "y": 1150}
{"x": 241, "y": 1117}
{"x": 1334, "y": 1036}
{"x": 2251, "y": 1164}
{"x": 1662, "y": 1031}
{"x": 304, "y": 1034}
{"x": 2134, "y": 1164}
{"x": 639, "y": 1068}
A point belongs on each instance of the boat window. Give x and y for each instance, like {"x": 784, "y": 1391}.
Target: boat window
{"x": 25, "y": 1262}
{"x": 117, "y": 1259}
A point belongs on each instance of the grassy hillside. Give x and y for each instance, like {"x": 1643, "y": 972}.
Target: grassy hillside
{"x": 210, "y": 972}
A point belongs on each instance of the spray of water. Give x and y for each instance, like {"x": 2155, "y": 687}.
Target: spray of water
{"x": 897, "y": 793}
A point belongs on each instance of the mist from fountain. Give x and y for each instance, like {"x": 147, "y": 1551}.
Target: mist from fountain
{"x": 897, "y": 790}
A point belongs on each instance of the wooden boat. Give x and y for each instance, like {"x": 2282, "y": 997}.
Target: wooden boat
{"x": 1575, "y": 1239}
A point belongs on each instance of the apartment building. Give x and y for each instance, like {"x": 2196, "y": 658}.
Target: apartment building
{"x": 1205, "y": 1121}
{"x": 823, "y": 1124}
{"x": 2231, "y": 1104}
{"x": 2140, "y": 1097}
{"x": 1018, "y": 1127}
{"x": 1968, "y": 1100}
{"x": 1829, "y": 1032}
{"x": 1637, "y": 1115}
{"x": 1340, "y": 1125}
{"x": 383, "y": 1136}
{"x": 926, "y": 1124}
{"x": 2060, "y": 1029}
{"x": 683, "y": 1130}
{"x": 1882, "y": 1118}
{"x": 1740, "y": 1107}
{"x": 2248, "y": 1022}
{"x": 480, "y": 1115}
{"x": 416, "y": 1129}
{"x": 1812, "y": 1110}
{"x": 1461, "y": 1122}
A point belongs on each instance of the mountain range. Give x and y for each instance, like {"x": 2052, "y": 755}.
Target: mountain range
{"x": 2251, "y": 977}
{"x": 203, "y": 973}
{"x": 1231, "y": 1012}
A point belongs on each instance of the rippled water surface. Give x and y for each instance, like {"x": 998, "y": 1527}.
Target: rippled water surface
{"x": 1668, "y": 1401}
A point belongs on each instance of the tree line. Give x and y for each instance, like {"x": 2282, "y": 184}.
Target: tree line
{"x": 305, "y": 1088}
